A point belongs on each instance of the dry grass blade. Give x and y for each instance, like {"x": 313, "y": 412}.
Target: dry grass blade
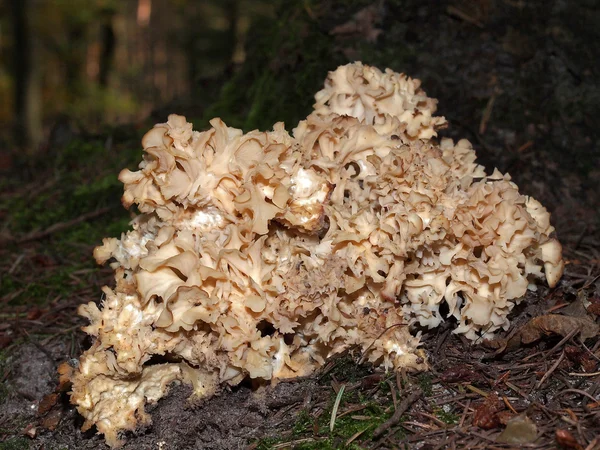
{"x": 336, "y": 406}
{"x": 291, "y": 444}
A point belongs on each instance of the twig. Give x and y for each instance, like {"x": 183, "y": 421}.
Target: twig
{"x": 432, "y": 417}
{"x": 551, "y": 371}
{"x": 577, "y": 391}
{"x": 575, "y": 374}
{"x": 487, "y": 113}
{"x": 352, "y": 410}
{"x": 16, "y": 263}
{"x": 593, "y": 445}
{"x": 411, "y": 398}
{"x": 572, "y": 333}
{"x": 508, "y": 405}
{"x": 60, "y": 226}
{"x": 588, "y": 284}
{"x": 456, "y": 12}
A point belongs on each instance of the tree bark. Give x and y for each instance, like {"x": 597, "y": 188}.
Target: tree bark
{"x": 109, "y": 41}
{"x": 232, "y": 10}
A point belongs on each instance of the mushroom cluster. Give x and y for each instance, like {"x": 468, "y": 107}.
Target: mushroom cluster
{"x": 261, "y": 255}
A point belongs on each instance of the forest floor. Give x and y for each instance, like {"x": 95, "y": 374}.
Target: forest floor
{"x": 519, "y": 81}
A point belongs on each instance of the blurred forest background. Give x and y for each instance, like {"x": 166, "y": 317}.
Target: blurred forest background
{"x": 84, "y": 64}
{"x": 506, "y": 72}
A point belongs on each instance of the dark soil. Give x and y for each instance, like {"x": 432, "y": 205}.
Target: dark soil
{"x": 518, "y": 79}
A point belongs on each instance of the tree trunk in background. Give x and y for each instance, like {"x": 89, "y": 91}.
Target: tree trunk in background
{"x": 233, "y": 16}
{"x": 190, "y": 45}
{"x": 75, "y": 56}
{"x": 109, "y": 41}
{"x": 28, "y": 124}
{"x": 210, "y": 50}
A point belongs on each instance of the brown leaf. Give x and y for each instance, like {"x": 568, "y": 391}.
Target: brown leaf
{"x": 30, "y": 430}
{"x": 371, "y": 380}
{"x": 545, "y": 325}
{"x": 588, "y": 364}
{"x": 594, "y": 307}
{"x": 5, "y": 340}
{"x": 558, "y": 324}
{"x": 574, "y": 354}
{"x": 519, "y": 430}
{"x": 505, "y": 416}
{"x": 65, "y": 372}
{"x": 47, "y": 403}
{"x": 580, "y": 358}
{"x": 42, "y": 260}
{"x": 34, "y": 313}
{"x": 564, "y": 438}
{"x": 51, "y": 421}
{"x": 486, "y": 416}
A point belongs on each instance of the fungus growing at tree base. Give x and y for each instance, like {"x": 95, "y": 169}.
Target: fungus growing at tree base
{"x": 260, "y": 255}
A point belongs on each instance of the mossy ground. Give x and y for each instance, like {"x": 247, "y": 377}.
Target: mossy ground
{"x": 366, "y": 404}
{"x": 17, "y": 443}
{"x": 363, "y": 407}
{"x": 77, "y": 180}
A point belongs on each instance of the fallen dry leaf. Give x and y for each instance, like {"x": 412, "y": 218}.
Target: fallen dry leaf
{"x": 51, "y": 421}
{"x": 545, "y": 325}
{"x": 557, "y": 324}
{"x": 486, "y": 416}
{"x": 505, "y": 416}
{"x": 564, "y": 438}
{"x": 519, "y": 430}
{"x": 371, "y": 380}
{"x": 34, "y": 313}
{"x": 5, "y": 340}
{"x": 30, "y": 430}
{"x": 47, "y": 403}
{"x": 594, "y": 306}
{"x": 64, "y": 380}
{"x": 580, "y": 358}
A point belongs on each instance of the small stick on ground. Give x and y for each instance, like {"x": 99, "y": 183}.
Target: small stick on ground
{"x": 60, "y": 226}
{"x": 550, "y": 372}
{"x": 412, "y": 397}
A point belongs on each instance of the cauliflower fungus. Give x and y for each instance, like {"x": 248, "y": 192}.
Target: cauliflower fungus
{"x": 260, "y": 255}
